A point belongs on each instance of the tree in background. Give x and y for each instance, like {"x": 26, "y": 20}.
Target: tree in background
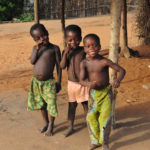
{"x": 126, "y": 51}
{"x": 143, "y": 21}
{"x": 10, "y": 9}
{"x": 36, "y": 11}
{"x": 62, "y": 14}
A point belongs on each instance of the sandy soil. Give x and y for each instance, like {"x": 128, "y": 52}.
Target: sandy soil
{"x": 18, "y": 128}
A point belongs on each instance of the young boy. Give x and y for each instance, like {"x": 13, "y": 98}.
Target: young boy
{"x": 42, "y": 94}
{"x": 94, "y": 74}
{"x": 72, "y": 56}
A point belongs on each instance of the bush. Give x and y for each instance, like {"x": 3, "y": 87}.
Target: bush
{"x": 10, "y": 9}
{"x": 26, "y": 17}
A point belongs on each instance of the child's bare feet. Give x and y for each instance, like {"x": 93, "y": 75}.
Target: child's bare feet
{"x": 94, "y": 146}
{"x": 49, "y": 131}
{"x": 105, "y": 147}
{"x": 69, "y": 131}
{"x": 43, "y": 129}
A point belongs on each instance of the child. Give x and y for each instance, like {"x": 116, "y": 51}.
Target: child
{"x": 95, "y": 69}
{"x": 72, "y": 56}
{"x": 42, "y": 94}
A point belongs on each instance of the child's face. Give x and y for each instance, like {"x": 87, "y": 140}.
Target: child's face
{"x": 91, "y": 47}
{"x": 72, "y": 39}
{"x": 40, "y": 37}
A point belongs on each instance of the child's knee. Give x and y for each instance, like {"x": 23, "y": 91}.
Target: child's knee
{"x": 89, "y": 117}
{"x": 85, "y": 103}
{"x": 72, "y": 105}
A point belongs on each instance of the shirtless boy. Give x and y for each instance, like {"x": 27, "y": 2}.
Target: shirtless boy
{"x": 72, "y": 56}
{"x": 42, "y": 94}
{"x": 94, "y": 74}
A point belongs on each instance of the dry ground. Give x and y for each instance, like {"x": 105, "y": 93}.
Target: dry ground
{"x": 18, "y": 128}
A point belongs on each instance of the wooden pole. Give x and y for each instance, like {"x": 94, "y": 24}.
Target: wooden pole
{"x": 63, "y": 20}
{"x": 125, "y": 50}
{"x": 36, "y": 11}
{"x": 114, "y": 46}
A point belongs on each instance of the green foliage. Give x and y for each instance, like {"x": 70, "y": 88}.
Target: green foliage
{"x": 26, "y": 17}
{"x": 10, "y": 9}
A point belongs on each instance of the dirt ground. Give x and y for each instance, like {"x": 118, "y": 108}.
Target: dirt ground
{"x": 18, "y": 128}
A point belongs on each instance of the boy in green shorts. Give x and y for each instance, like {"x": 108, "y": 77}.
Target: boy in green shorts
{"x": 42, "y": 94}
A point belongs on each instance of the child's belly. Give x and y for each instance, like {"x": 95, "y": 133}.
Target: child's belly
{"x": 43, "y": 71}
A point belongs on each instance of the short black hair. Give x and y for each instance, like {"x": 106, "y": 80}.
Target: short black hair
{"x": 94, "y": 36}
{"x": 73, "y": 28}
{"x": 36, "y": 26}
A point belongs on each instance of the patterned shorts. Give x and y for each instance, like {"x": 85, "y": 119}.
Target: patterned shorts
{"x": 41, "y": 94}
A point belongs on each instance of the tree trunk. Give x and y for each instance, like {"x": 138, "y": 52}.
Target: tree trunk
{"x": 125, "y": 50}
{"x": 63, "y": 20}
{"x": 36, "y": 11}
{"x": 114, "y": 45}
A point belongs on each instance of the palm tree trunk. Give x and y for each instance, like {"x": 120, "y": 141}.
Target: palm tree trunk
{"x": 114, "y": 46}
{"x": 36, "y": 11}
{"x": 63, "y": 20}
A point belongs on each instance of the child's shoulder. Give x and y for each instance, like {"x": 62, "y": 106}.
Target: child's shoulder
{"x": 106, "y": 61}
{"x": 54, "y": 46}
{"x": 34, "y": 47}
{"x": 81, "y": 48}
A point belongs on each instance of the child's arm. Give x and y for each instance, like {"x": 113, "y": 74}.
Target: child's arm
{"x": 117, "y": 68}
{"x": 63, "y": 62}
{"x": 83, "y": 73}
{"x": 59, "y": 71}
{"x": 34, "y": 55}
{"x": 104, "y": 52}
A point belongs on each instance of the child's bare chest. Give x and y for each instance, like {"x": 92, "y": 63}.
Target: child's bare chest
{"x": 96, "y": 66}
{"x": 46, "y": 55}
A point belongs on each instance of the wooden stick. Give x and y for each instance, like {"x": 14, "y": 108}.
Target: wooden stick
{"x": 114, "y": 46}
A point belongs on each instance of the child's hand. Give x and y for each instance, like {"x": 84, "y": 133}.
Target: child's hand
{"x": 67, "y": 49}
{"x": 58, "y": 87}
{"x": 38, "y": 45}
{"x": 115, "y": 84}
{"x": 92, "y": 84}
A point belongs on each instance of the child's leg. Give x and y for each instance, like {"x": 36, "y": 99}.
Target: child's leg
{"x": 105, "y": 122}
{"x": 49, "y": 131}
{"x": 45, "y": 119}
{"x": 71, "y": 116}
{"x": 93, "y": 126}
{"x": 85, "y": 107}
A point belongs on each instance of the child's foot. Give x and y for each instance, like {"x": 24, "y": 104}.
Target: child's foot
{"x": 43, "y": 129}
{"x": 69, "y": 131}
{"x": 49, "y": 131}
{"x": 94, "y": 146}
{"x": 105, "y": 147}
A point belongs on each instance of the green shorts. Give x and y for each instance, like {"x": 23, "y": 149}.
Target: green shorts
{"x": 41, "y": 94}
